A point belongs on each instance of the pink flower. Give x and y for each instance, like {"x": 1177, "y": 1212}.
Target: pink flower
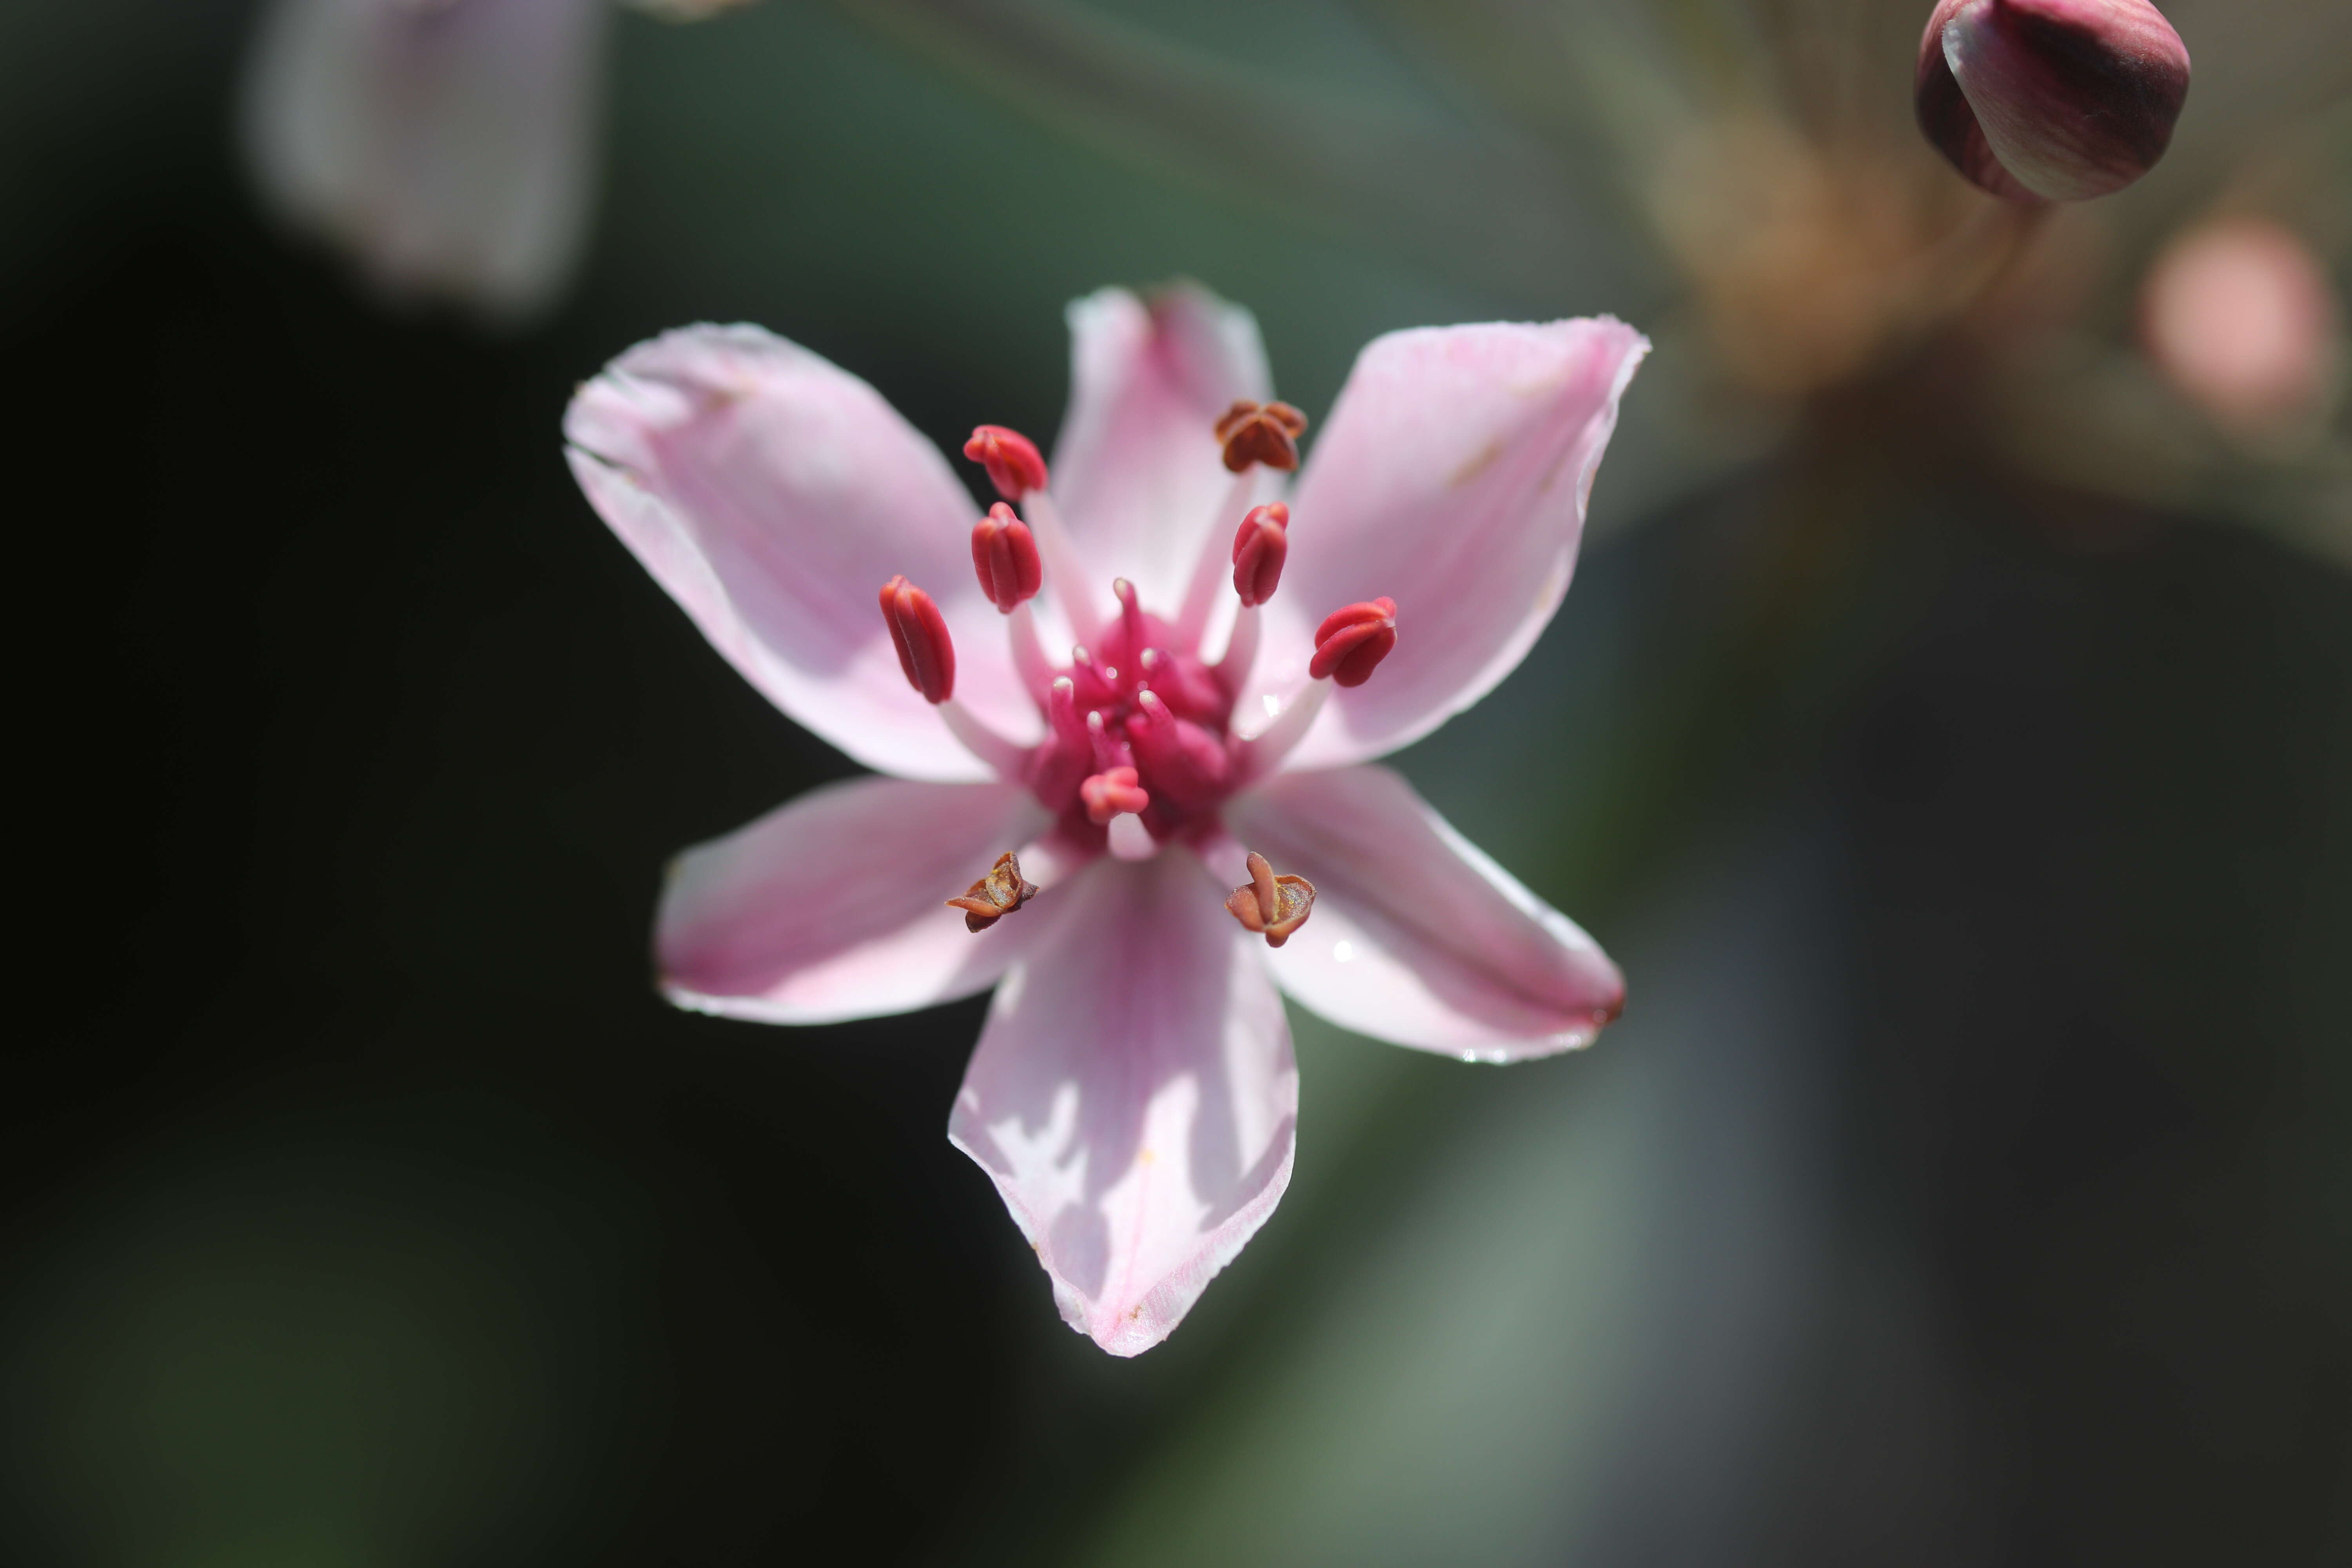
{"x": 449, "y": 145}
{"x": 1133, "y": 1095}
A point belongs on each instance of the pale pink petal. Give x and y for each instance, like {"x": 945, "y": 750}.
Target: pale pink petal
{"x": 1417, "y": 937}
{"x": 1452, "y": 478}
{"x": 835, "y": 906}
{"x": 774, "y": 494}
{"x": 1137, "y": 471}
{"x": 450, "y": 145}
{"x": 1134, "y": 1097}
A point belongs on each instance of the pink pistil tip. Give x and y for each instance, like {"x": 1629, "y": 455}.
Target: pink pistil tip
{"x": 1260, "y": 548}
{"x": 919, "y": 633}
{"x": 1011, "y": 458}
{"x": 1106, "y": 794}
{"x": 1005, "y": 555}
{"x": 1351, "y": 643}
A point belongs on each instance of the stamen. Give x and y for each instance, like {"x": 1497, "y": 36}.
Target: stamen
{"x": 1258, "y": 755}
{"x": 920, "y": 634}
{"x": 1011, "y": 458}
{"x": 1106, "y": 794}
{"x": 1004, "y": 555}
{"x": 1062, "y": 564}
{"x": 1261, "y": 433}
{"x": 1009, "y": 761}
{"x": 1271, "y": 906}
{"x": 1241, "y": 649}
{"x": 1211, "y": 568}
{"x": 1351, "y": 642}
{"x": 1260, "y": 547}
{"x": 995, "y": 895}
{"x": 1029, "y": 660}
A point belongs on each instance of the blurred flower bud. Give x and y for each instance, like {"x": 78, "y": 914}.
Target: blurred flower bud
{"x": 2238, "y": 317}
{"x": 2051, "y": 99}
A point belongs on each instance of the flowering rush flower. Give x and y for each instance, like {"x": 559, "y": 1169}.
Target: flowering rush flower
{"x": 1130, "y": 729}
{"x": 448, "y": 144}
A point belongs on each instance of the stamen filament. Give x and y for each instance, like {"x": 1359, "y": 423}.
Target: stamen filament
{"x": 1215, "y": 565}
{"x": 1029, "y": 660}
{"x": 1062, "y": 565}
{"x": 1262, "y": 753}
{"x": 1241, "y": 649}
{"x": 1010, "y": 761}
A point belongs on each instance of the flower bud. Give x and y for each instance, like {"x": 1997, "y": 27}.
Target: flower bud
{"x": 2049, "y": 99}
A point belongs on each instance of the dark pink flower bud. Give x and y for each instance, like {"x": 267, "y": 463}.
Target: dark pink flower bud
{"x": 1011, "y": 458}
{"x": 1005, "y": 556}
{"x": 920, "y": 634}
{"x": 2052, "y": 99}
{"x": 1351, "y": 643}
{"x": 1106, "y": 794}
{"x": 1259, "y": 550}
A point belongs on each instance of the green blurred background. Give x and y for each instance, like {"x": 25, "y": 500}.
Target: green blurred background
{"x": 1949, "y": 730}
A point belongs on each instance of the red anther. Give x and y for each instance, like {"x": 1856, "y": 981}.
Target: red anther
{"x": 1261, "y": 433}
{"x": 1271, "y": 906}
{"x": 1005, "y": 556}
{"x": 1108, "y": 795}
{"x": 1011, "y": 458}
{"x": 1260, "y": 548}
{"x": 920, "y": 634}
{"x": 1351, "y": 643}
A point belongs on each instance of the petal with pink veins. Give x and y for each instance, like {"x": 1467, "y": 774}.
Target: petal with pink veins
{"x": 774, "y": 494}
{"x": 1417, "y": 937}
{"x": 1453, "y": 477}
{"x": 449, "y": 147}
{"x": 1134, "y": 1097}
{"x": 1139, "y": 473}
{"x": 835, "y": 906}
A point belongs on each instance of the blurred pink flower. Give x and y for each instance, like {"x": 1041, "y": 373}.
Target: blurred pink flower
{"x": 2239, "y": 317}
{"x": 1133, "y": 1094}
{"x": 448, "y": 145}
{"x": 2051, "y": 99}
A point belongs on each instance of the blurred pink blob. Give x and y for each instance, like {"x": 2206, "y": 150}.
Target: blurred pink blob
{"x": 2240, "y": 316}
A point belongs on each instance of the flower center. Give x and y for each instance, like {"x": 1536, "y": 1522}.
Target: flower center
{"x": 1139, "y": 747}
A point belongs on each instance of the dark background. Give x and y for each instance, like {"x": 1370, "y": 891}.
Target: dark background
{"x": 1968, "y": 1183}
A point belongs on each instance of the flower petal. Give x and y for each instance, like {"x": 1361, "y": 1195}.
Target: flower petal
{"x": 1134, "y": 1097}
{"x": 1139, "y": 473}
{"x": 450, "y": 147}
{"x": 1417, "y": 937}
{"x": 1452, "y": 478}
{"x": 835, "y": 906}
{"x": 774, "y": 494}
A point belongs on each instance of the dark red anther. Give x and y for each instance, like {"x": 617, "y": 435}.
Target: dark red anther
{"x": 1271, "y": 906}
{"x": 1005, "y": 556}
{"x": 1264, "y": 432}
{"x": 1011, "y": 458}
{"x": 1259, "y": 550}
{"x": 1351, "y": 643}
{"x": 920, "y": 634}
{"x": 1106, "y": 794}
